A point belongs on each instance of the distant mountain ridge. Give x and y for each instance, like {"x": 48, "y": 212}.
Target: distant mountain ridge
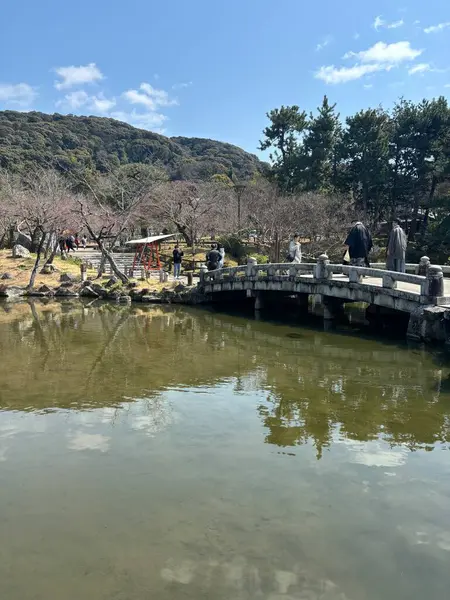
{"x": 101, "y": 143}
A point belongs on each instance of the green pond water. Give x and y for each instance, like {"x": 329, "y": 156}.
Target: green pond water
{"x": 181, "y": 454}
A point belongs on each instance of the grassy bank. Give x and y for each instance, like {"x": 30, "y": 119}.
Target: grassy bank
{"x": 20, "y": 269}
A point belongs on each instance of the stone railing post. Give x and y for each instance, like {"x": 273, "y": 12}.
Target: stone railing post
{"x": 322, "y": 270}
{"x": 251, "y": 262}
{"x": 389, "y": 282}
{"x": 435, "y": 281}
{"x": 424, "y": 265}
{"x": 354, "y": 276}
{"x": 203, "y": 271}
{"x": 83, "y": 272}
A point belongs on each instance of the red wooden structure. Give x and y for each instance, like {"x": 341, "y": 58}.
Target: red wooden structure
{"x": 147, "y": 252}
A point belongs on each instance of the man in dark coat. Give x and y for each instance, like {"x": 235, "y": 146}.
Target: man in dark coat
{"x": 359, "y": 244}
{"x": 213, "y": 258}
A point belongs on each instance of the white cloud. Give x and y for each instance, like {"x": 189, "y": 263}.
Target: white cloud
{"x": 386, "y": 53}
{"x": 149, "y": 120}
{"x": 368, "y": 86}
{"x": 447, "y": 85}
{"x": 19, "y": 94}
{"x": 79, "y": 99}
{"x": 379, "y": 23}
{"x": 71, "y": 76}
{"x": 101, "y": 104}
{"x": 326, "y": 41}
{"x": 356, "y": 36}
{"x": 136, "y": 97}
{"x": 149, "y": 97}
{"x": 74, "y": 100}
{"x": 396, "y": 24}
{"x": 420, "y": 68}
{"x": 437, "y": 28}
{"x": 180, "y": 86}
{"x": 380, "y": 57}
{"x": 333, "y": 75}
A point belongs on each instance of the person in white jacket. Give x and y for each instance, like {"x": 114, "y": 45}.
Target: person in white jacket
{"x": 295, "y": 250}
{"x": 222, "y": 254}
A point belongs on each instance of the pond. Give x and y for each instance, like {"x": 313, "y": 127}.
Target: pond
{"x": 168, "y": 453}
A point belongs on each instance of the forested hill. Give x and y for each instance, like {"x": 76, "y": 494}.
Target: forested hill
{"x": 66, "y": 141}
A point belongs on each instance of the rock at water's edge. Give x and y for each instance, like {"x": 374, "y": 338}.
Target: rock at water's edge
{"x": 11, "y": 291}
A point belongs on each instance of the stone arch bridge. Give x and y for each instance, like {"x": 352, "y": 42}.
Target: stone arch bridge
{"x": 424, "y": 293}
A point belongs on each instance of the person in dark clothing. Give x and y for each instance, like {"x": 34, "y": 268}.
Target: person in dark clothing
{"x": 213, "y": 258}
{"x": 70, "y": 243}
{"x": 62, "y": 245}
{"x": 177, "y": 259}
{"x": 359, "y": 244}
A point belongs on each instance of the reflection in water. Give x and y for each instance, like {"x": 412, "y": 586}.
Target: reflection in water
{"x": 133, "y": 462}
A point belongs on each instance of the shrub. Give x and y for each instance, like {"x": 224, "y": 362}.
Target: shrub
{"x": 261, "y": 259}
{"x": 233, "y": 246}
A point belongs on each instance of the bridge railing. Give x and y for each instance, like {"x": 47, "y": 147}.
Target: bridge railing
{"x": 430, "y": 286}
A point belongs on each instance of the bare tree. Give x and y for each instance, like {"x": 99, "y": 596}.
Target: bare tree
{"x": 43, "y": 208}
{"x": 194, "y": 209}
{"x": 106, "y": 222}
{"x": 322, "y": 221}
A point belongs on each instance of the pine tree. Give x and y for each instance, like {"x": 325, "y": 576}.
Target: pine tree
{"x": 283, "y": 134}
{"x": 366, "y": 157}
{"x": 320, "y": 160}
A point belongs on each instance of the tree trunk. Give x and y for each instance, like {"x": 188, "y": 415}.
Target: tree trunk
{"x": 36, "y": 239}
{"x": 424, "y": 224}
{"x": 12, "y": 233}
{"x": 115, "y": 269}
{"x": 101, "y": 266}
{"x": 413, "y": 228}
{"x": 107, "y": 254}
{"x": 36, "y": 262}
{"x": 48, "y": 245}
{"x": 182, "y": 229}
{"x": 50, "y": 259}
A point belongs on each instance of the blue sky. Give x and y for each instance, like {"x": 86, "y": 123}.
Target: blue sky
{"x": 213, "y": 69}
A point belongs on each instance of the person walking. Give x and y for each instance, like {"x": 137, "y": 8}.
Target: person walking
{"x": 396, "y": 249}
{"x": 62, "y": 245}
{"x": 295, "y": 250}
{"x": 213, "y": 258}
{"x": 177, "y": 259}
{"x": 359, "y": 244}
{"x": 84, "y": 242}
{"x": 70, "y": 243}
{"x": 77, "y": 241}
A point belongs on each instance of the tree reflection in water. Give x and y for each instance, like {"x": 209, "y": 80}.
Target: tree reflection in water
{"x": 317, "y": 386}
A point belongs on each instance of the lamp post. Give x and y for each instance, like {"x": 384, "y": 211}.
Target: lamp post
{"x": 239, "y": 187}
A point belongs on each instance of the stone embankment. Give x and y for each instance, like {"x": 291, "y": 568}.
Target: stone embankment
{"x": 70, "y": 287}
